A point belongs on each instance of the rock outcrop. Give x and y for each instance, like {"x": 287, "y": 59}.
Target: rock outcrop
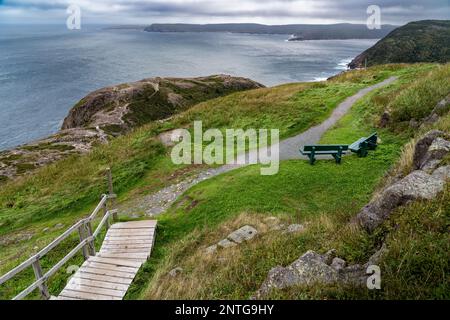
{"x": 314, "y": 268}
{"x": 428, "y": 178}
{"x": 245, "y": 233}
{"x": 117, "y": 109}
{"x": 424, "y": 183}
{"x": 441, "y": 108}
{"x": 113, "y": 111}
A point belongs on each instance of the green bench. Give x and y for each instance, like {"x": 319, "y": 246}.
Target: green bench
{"x": 336, "y": 150}
{"x": 363, "y": 145}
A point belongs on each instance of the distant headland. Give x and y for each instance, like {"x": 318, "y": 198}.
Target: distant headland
{"x": 296, "y": 31}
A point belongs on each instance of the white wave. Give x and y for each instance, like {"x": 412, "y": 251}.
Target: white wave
{"x": 342, "y": 65}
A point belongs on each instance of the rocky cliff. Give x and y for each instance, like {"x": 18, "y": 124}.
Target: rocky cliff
{"x": 118, "y": 109}
{"x": 113, "y": 111}
{"x": 419, "y": 41}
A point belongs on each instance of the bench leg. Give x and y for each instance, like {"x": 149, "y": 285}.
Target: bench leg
{"x": 337, "y": 158}
{"x": 312, "y": 159}
{"x": 364, "y": 149}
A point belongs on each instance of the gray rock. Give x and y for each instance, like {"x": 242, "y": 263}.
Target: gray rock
{"x": 175, "y": 272}
{"x": 413, "y": 123}
{"x": 384, "y": 120}
{"x": 338, "y": 264}
{"x": 225, "y": 243}
{"x": 58, "y": 226}
{"x": 376, "y": 257}
{"x": 433, "y": 118}
{"x": 417, "y": 185}
{"x": 243, "y": 234}
{"x": 45, "y": 230}
{"x": 430, "y": 165}
{"x": 211, "y": 249}
{"x": 278, "y": 227}
{"x": 309, "y": 269}
{"x": 443, "y": 106}
{"x": 170, "y": 138}
{"x": 422, "y": 146}
{"x": 442, "y": 173}
{"x": 294, "y": 228}
{"x": 329, "y": 256}
{"x": 438, "y": 149}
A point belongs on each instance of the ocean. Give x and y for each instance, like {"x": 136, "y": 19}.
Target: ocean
{"x": 45, "y": 70}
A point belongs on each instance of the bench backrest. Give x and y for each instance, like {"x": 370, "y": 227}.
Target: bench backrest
{"x": 372, "y": 138}
{"x": 326, "y": 147}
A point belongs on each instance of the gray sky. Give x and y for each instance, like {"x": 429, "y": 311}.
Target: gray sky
{"x": 219, "y": 11}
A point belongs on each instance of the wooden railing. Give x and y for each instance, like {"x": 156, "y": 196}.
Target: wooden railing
{"x": 86, "y": 245}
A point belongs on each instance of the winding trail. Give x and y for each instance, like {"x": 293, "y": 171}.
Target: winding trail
{"x": 159, "y": 202}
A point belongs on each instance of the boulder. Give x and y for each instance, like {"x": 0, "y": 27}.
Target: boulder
{"x": 442, "y": 173}
{"x": 312, "y": 268}
{"x": 384, "y": 120}
{"x": 243, "y": 234}
{"x": 225, "y": 243}
{"x": 175, "y": 272}
{"x": 294, "y": 228}
{"x": 417, "y": 185}
{"x": 422, "y": 147}
{"x": 414, "y": 124}
{"x": 438, "y": 149}
{"x": 338, "y": 264}
{"x": 441, "y": 108}
{"x": 376, "y": 257}
{"x": 211, "y": 249}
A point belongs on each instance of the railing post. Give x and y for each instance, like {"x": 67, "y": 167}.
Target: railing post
{"x": 105, "y": 209}
{"x": 91, "y": 244}
{"x": 38, "y": 274}
{"x": 111, "y": 192}
{"x": 82, "y": 232}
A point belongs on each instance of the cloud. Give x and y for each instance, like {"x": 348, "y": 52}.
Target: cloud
{"x": 206, "y": 11}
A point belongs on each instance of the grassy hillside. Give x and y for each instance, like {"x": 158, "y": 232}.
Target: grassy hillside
{"x": 323, "y": 198}
{"x": 67, "y": 190}
{"x": 420, "y": 41}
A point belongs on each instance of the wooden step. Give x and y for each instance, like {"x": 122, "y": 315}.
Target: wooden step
{"x": 108, "y": 275}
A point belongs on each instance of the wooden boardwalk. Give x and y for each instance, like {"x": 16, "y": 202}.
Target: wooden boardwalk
{"x": 108, "y": 274}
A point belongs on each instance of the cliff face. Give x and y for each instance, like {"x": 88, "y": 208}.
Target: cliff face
{"x": 420, "y": 41}
{"x": 113, "y": 111}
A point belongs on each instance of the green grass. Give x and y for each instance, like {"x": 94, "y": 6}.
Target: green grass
{"x": 67, "y": 190}
{"x": 324, "y": 196}
{"x": 72, "y": 185}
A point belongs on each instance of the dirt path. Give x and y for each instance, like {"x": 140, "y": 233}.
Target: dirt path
{"x": 159, "y": 202}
